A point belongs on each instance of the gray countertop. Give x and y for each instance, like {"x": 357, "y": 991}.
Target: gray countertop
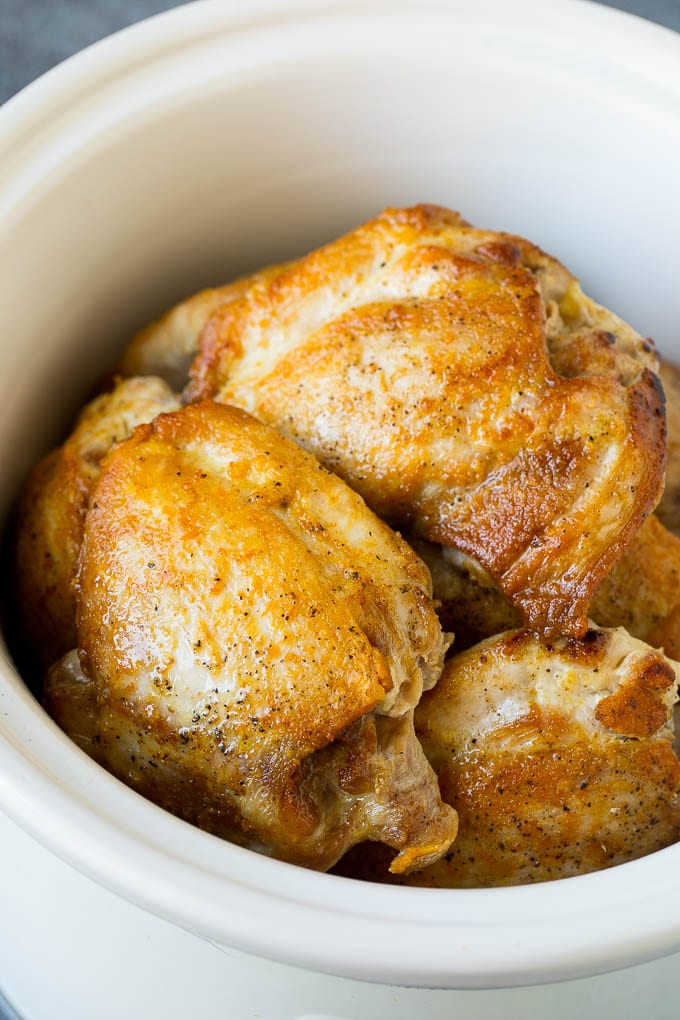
{"x": 37, "y": 34}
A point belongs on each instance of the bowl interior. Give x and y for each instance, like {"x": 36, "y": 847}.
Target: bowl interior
{"x": 199, "y": 146}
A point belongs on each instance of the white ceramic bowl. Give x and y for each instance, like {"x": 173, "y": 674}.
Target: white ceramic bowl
{"x": 210, "y": 140}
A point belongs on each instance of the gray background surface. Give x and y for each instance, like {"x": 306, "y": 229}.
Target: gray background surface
{"x": 37, "y": 34}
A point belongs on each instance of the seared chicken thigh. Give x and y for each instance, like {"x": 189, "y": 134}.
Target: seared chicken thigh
{"x": 52, "y": 510}
{"x": 583, "y": 338}
{"x": 557, "y": 756}
{"x": 411, "y": 357}
{"x": 253, "y": 642}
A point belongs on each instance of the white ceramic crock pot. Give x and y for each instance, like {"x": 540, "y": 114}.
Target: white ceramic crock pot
{"x": 222, "y": 136}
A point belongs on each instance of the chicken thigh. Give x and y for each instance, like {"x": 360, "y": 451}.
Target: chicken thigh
{"x": 52, "y": 508}
{"x": 253, "y": 642}
{"x": 557, "y": 756}
{"x": 412, "y": 358}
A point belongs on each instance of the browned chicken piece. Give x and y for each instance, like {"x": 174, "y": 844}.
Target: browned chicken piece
{"x": 641, "y": 594}
{"x": 410, "y": 356}
{"x": 669, "y": 507}
{"x": 253, "y": 641}
{"x": 167, "y": 347}
{"x": 583, "y": 337}
{"x": 558, "y": 758}
{"x": 52, "y": 509}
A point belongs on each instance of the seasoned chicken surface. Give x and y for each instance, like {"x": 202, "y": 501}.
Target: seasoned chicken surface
{"x": 583, "y": 337}
{"x": 558, "y": 758}
{"x": 669, "y": 507}
{"x": 253, "y": 642}
{"x": 52, "y": 510}
{"x": 411, "y": 357}
{"x": 641, "y": 594}
{"x": 167, "y": 347}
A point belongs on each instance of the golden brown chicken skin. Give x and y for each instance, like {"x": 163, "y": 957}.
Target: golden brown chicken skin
{"x": 52, "y": 508}
{"x": 253, "y": 642}
{"x": 641, "y": 593}
{"x": 411, "y": 358}
{"x": 558, "y": 758}
{"x": 167, "y": 346}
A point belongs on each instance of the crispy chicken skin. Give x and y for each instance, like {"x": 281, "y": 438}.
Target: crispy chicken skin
{"x": 253, "y": 642}
{"x": 411, "y": 357}
{"x": 167, "y": 346}
{"x": 641, "y": 593}
{"x": 52, "y": 509}
{"x": 558, "y": 758}
{"x": 669, "y": 507}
